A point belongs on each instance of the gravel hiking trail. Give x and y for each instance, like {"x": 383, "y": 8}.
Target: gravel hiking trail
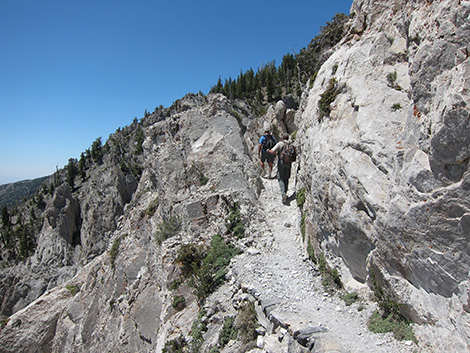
{"x": 289, "y": 287}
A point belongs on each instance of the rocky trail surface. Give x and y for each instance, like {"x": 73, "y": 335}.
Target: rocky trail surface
{"x": 288, "y": 286}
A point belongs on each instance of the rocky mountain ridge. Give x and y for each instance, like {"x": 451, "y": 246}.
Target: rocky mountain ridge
{"x": 383, "y": 139}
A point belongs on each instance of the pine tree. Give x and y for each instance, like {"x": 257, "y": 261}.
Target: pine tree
{"x": 218, "y": 88}
{"x": 139, "y": 141}
{"x": 96, "y": 150}
{"x": 5, "y": 217}
{"x": 82, "y": 166}
{"x": 6, "y": 228}
{"x": 71, "y": 172}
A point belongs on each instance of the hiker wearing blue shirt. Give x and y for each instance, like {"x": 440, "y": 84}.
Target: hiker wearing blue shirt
{"x": 266, "y": 142}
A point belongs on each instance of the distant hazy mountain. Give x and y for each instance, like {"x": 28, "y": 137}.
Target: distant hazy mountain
{"x": 13, "y": 193}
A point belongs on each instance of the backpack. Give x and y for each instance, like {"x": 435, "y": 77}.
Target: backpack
{"x": 288, "y": 153}
{"x": 269, "y": 142}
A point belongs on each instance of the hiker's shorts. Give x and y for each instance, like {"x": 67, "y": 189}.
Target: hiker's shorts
{"x": 265, "y": 156}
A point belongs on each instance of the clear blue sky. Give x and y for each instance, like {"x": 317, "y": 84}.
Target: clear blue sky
{"x": 72, "y": 71}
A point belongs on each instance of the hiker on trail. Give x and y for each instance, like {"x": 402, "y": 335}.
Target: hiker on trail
{"x": 287, "y": 154}
{"x": 266, "y": 142}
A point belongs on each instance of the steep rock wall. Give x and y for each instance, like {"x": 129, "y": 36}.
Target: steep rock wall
{"x": 77, "y": 224}
{"x": 387, "y": 170}
{"x": 195, "y": 168}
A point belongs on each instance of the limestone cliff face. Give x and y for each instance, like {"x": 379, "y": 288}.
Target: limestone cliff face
{"x": 387, "y": 172}
{"x": 195, "y": 167}
{"x": 73, "y": 225}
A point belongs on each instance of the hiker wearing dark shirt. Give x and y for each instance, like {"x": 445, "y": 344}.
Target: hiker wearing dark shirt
{"x": 266, "y": 142}
{"x": 284, "y": 163}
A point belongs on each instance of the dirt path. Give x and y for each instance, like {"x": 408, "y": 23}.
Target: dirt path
{"x": 278, "y": 273}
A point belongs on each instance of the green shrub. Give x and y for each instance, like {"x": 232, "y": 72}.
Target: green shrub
{"x": 386, "y": 303}
{"x": 331, "y": 277}
{"x": 396, "y": 106}
{"x": 114, "y": 251}
{"x": 247, "y": 322}
{"x": 311, "y": 252}
{"x": 178, "y": 345}
{"x": 326, "y": 98}
{"x": 322, "y": 264}
{"x": 334, "y": 69}
{"x": 234, "y": 223}
{"x": 167, "y": 229}
{"x": 190, "y": 257}
{"x": 174, "y": 285}
{"x": 350, "y": 298}
{"x": 136, "y": 170}
{"x": 378, "y": 324}
{"x": 178, "y": 303}
{"x": 139, "y": 142}
{"x": 389, "y": 319}
{"x": 197, "y": 330}
{"x": 228, "y": 332}
{"x": 195, "y": 175}
{"x": 274, "y": 130}
{"x": 212, "y": 271}
{"x": 239, "y": 230}
{"x": 4, "y": 322}
{"x": 327, "y": 282}
{"x": 335, "y": 275}
{"x": 73, "y": 289}
{"x": 401, "y": 329}
{"x": 152, "y": 207}
{"x": 391, "y": 79}
{"x": 300, "y": 197}
{"x": 203, "y": 180}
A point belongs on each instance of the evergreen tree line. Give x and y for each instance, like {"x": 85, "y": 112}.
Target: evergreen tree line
{"x": 117, "y": 145}
{"x": 17, "y": 228}
{"x": 270, "y": 82}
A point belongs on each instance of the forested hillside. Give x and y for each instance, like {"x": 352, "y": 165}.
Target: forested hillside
{"x": 13, "y": 193}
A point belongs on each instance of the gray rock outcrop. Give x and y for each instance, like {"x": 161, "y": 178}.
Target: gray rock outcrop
{"x": 196, "y": 168}
{"x": 387, "y": 171}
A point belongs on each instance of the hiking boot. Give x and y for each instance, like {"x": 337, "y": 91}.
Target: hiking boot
{"x": 284, "y": 199}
